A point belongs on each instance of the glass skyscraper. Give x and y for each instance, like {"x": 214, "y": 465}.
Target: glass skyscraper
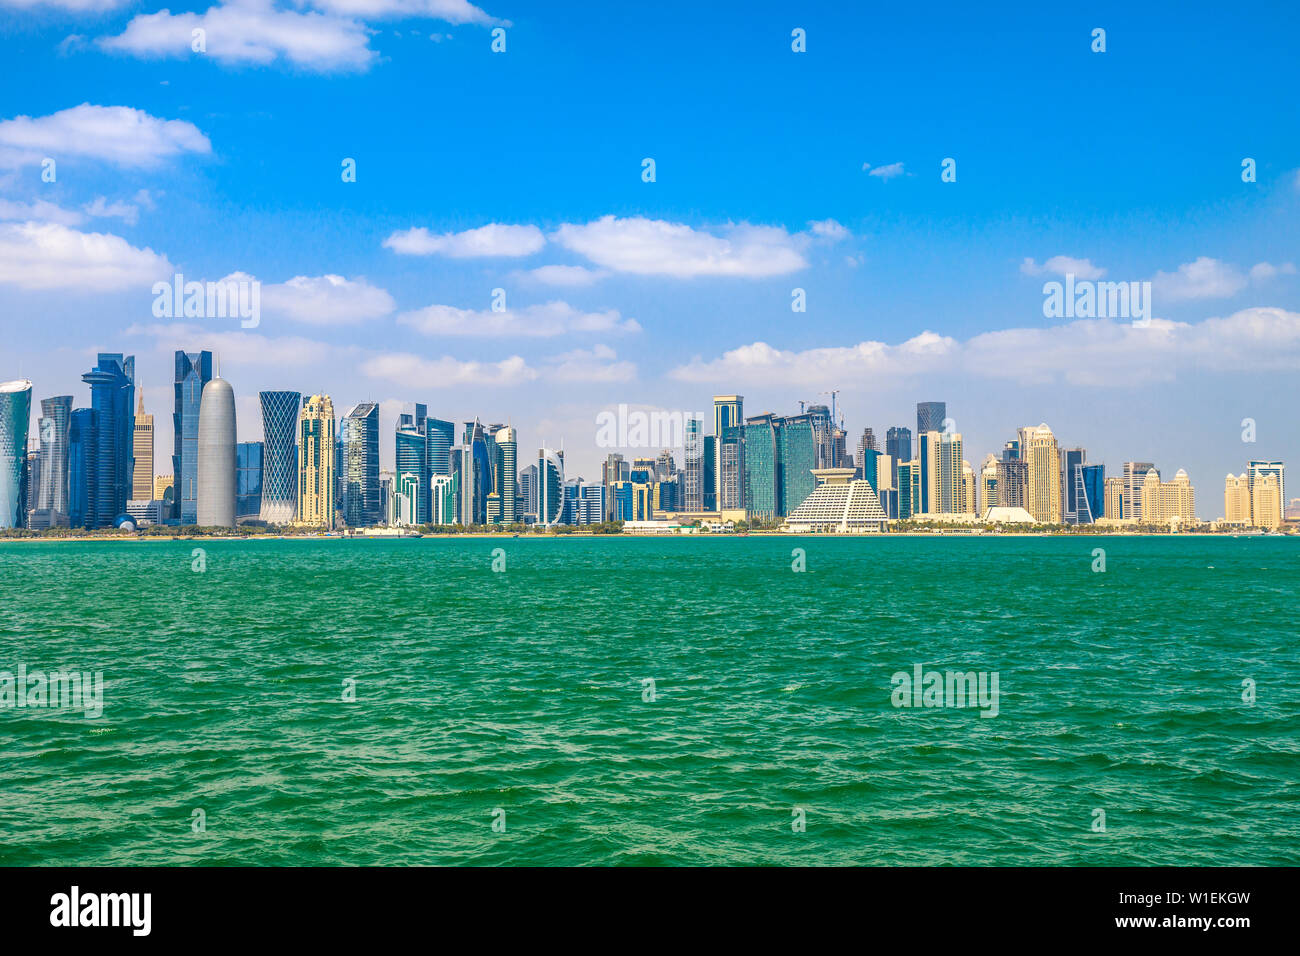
{"x": 440, "y": 437}
{"x": 930, "y": 417}
{"x": 762, "y": 467}
{"x": 83, "y": 451}
{"x": 52, "y": 427}
{"x": 249, "y": 459}
{"x": 15, "y": 416}
{"x": 361, "y": 465}
{"x": 112, "y": 396}
{"x": 1072, "y": 503}
{"x": 550, "y": 486}
{"x": 280, "y": 456}
{"x": 193, "y": 371}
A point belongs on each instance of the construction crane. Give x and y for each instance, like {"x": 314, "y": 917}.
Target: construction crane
{"x": 832, "y": 393}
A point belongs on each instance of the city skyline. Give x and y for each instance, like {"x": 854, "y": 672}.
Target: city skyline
{"x": 620, "y": 290}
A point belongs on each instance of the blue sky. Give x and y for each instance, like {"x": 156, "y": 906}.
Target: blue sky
{"x": 1123, "y": 166}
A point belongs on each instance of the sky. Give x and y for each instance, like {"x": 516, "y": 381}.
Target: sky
{"x": 522, "y": 169}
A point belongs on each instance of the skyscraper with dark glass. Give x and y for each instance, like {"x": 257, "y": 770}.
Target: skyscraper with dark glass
{"x": 249, "y": 459}
{"x": 83, "y": 452}
{"x": 411, "y": 481}
{"x": 797, "y": 450}
{"x": 361, "y": 465}
{"x": 15, "y": 415}
{"x": 193, "y": 371}
{"x": 1072, "y": 491}
{"x": 112, "y": 396}
{"x": 52, "y": 427}
{"x": 441, "y": 436}
{"x": 930, "y": 417}
{"x": 280, "y": 456}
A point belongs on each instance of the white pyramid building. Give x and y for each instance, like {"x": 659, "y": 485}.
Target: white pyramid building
{"x": 840, "y": 504}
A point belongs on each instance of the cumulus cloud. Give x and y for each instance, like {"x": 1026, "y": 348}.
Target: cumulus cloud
{"x": 53, "y": 256}
{"x": 1266, "y": 270}
{"x": 828, "y": 229}
{"x": 533, "y": 321}
{"x": 1205, "y": 278}
{"x": 75, "y": 6}
{"x": 101, "y": 208}
{"x": 449, "y": 11}
{"x": 326, "y": 300}
{"x": 250, "y": 32}
{"x": 1063, "y": 265}
{"x": 597, "y": 364}
{"x": 1095, "y": 352}
{"x": 643, "y": 246}
{"x": 114, "y": 134}
{"x": 40, "y": 211}
{"x": 568, "y": 276}
{"x": 239, "y": 347}
{"x": 412, "y": 371}
{"x": 494, "y": 239}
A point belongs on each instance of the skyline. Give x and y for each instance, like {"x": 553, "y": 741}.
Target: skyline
{"x": 620, "y": 291}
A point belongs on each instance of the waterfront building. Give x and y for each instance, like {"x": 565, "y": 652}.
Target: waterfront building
{"x": 1090, "y": 494}
{"x": 142, "y": 447}
{"x": 1072, "y": 460}
{"x": 1043, "y": 474}
{"x": 694, "y": 451}
{"x": 930, "y": 417}
{"x": 442, "y": 498}
{"x": 1258, "y": 468}
{"x": 1266, "y": 501}
{"x": 15, "y": 418}
{"x": 528, "y": 493}
{"x": 250, "y": 457}
{"x": 193, "y": 370}
{"x": 51, "y": 494}
{"x": 507, "y": 472}
{"x": 1115, "y": 498}
{"x": 83, "y": 450}
{"x": 550, "y": 486}
{"x": 1167, "y": 502}
{"x": 215, "y": 507}
{"x": 280, "y": 412}
{"x": 360, "y": 440}
{"x": 316, "y": 462}
{"x": 728, "y": 412}
{"x": 1135, "y": 472}
{"x": 898, "y": 446}
{"x": 1236, "y": 499}
{"x": 869, "y": 469}
{"x": 839, "y": 504}
{"x": 989, "y": 482}
{"x": 112, "y": 396}
{"x": 970, "y": 501}
{"x": 411, "y": 458}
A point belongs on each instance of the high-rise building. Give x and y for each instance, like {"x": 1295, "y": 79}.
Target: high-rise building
{"x": 823, "y": 428}
{"x": 15, "y": 418}
{"x": 1090, "y": 493}
{"x": 930, "y": 417}
{"x": 439, "y": 437}
{"x": 361, "y": 506}
{"x": 969, "y": 490}
{"x": 1072, "y": 460}
{"x": 476, "y": 478}
{"x": 52, "y": 494}
{"x": 1013, "y": 480}
{"x": 507, "y": 440}
{"x": 528, "y": 493}
{"x": 1258, "y": 468}
{"x": 898, "y": 446}
{"x": 550, "y": 486}
{"x": 1114, "y": 498}
{"x": 316, "y": 462}
{"x": 731, "y": 468}
{"x": 927, "y": 475}
{"x": 728, "y": 412}
{"x": 1043, "y": 474}
{"x": 193, "y": 371}
{"x": 112, "y": 396}
{"x": 952, "y": 486}
{"x": 762, "y": 476}
{"x": 1135, "y": 472}
{"x": 1266, "y": 501}
{"x": 797, "y": 453}
{"x": 866, "y": 443}
{"x": 989, "y": 483}
{"x": 1236, "y": 499}
{"x": 249, "y": 466}
{"x": 1168, "y": 502}
{"x": 693, "y": 483}
{"x": 215, "y": 507}
{"x": 83, "y": 452}
{"x": 280, "y": 456}
{"x": 142, "y": 478}
{"x": 412, "y": 462}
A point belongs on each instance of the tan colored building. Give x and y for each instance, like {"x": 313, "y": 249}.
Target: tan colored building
{"x": 1236, "y": 500}
{"x": 989, "y": 482}
{"x": 160, "y": 486}
{"x": 1266, "y": 502}
{"x": 1168, "y": 502}
{"x": 1043, "y": 484}
{"x": 316, "y": 479}
{"x": 968, "y": 483}
{"x": 142, "y": 484}
{"x": 1114, "y": 503}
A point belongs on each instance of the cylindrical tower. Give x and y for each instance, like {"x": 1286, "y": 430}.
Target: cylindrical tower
{"x": 216, "y": 455}
{"x": 15, "y": 415}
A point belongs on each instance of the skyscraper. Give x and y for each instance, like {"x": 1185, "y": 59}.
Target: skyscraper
{"x": 53, "y": 425}
{"x": 476, "y": 473}
{"x": 280, "y": 456}
{"x": 1043, "y": 475}
{"x": 1072, "y": 460}
{"x": 1135, "y": 473}
{"x": 550, "y": 486}
{"x": 215, "y": 507}
{"x": 930, "y": 417}
{"x": 316, "y": 462}
{"x": 762, "y": 466}
{"x": 112, "y": 396}
{"x": 193, "y": 371}
{"x": 249, "y": 458}
{"x": 439, "y": 437}
{"x": 731, "y": 468}
{"x": 83, "y": 452}
{"x": 142, "y": 446}
{"x": 728, "y": 412}
{"x": 1091, "y": 493}
{"x": 507, "y": 440}
{"x": 694, "y": 475}
{"x": 15, "y": 416}
{"x": 1266, "y": 501}
{"x": 361, "y": 465}
{"x": 528, "y": 492}
{"x": 1256, "y": 469}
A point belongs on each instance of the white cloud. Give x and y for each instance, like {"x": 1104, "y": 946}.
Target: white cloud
{"x": 494, "y": 239}
{"x": 884, "y": 172}
{"x": 250, "y": 32}
{"x": 654, "y": 247}
{"x": 326, "y": 300}
{"x": 238, "y": 347}
{"x": 534, "y": 321}
{"x": 597, "y": 364}
{"x": 1205, "y": 278}
{"x": 828, "y": 229}
{"x": 103, "y": 209}
{"x": 115, "y": 134}
{"x": 76, "y": 6}
{"x": 1094, "y": 352}
{"x": 52, "y": 256}
{"x": 569, "y": 276}
{"x": 40, "y": 211}
{"x": 449, "y": 11}
{"x": 1266, "y": 270}
{"x": 414, "y": 372}
{"x": 1063, "y": 265}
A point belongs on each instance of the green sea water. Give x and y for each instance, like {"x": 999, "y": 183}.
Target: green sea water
{"x": 521, "y": 698}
